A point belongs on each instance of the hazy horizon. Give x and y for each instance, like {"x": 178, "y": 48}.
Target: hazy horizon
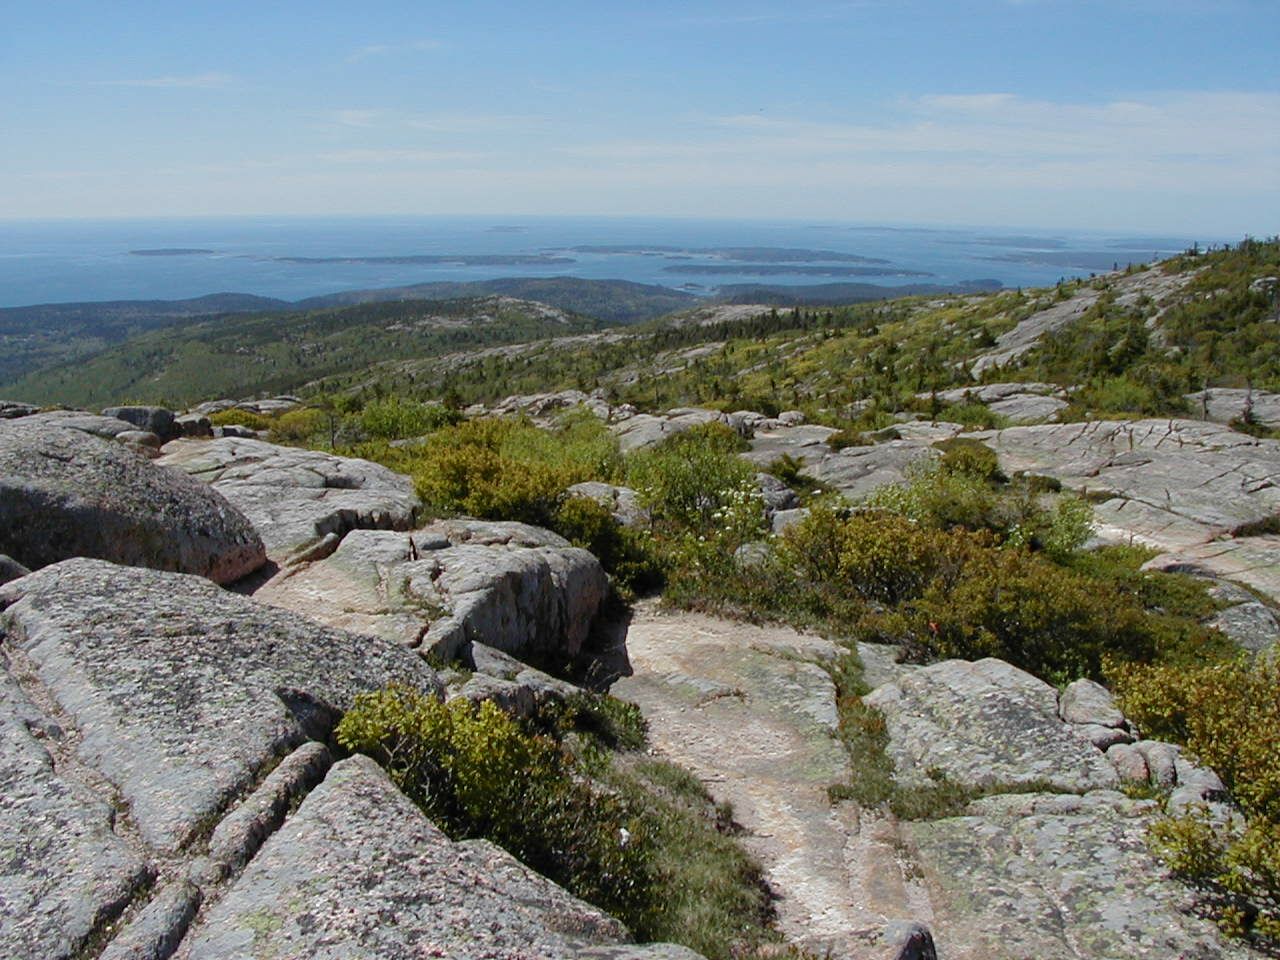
{"x": 1125, "y": 116}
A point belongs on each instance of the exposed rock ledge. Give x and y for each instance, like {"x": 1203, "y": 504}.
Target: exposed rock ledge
{"x": 166, "y": 792}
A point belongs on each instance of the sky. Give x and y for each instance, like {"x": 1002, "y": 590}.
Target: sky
{"x": 1071, "y": 114}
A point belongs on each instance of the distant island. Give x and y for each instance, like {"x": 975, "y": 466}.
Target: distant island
{"x": 170, "y": 252}
{"x": 803, "y": 270}
{"x": 741, "y": 254}
{"x": 463, "y": 259}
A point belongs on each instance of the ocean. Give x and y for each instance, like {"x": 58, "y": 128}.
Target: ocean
{"x": 294, "y": 258}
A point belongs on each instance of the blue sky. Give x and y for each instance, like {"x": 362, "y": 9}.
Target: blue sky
{"x": 1122, "y": 114}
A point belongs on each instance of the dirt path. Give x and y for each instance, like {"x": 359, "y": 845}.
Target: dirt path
{"x": 749, "y": 711}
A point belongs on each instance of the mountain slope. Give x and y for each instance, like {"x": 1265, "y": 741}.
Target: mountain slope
{"x": 243, "y": 355}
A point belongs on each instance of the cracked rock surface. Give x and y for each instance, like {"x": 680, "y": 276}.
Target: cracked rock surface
{"x": 294, "y": 497}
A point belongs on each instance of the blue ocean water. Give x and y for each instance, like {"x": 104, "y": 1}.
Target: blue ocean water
{"x": 63, "y": 261}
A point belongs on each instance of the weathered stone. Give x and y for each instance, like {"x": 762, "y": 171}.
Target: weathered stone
{"x": 776, "y": 494}
{"x": 907, "y": 940}
{"x": 808, "y": 444}
{"x": 1100, "y": 736}
{"x": 1023, "y": 337}
{"x": 1223, "y": 404}
{"x": 12, "y": 409}
{"x": 294, "y": 497}
{"x": 1028, "y": 408}
{"x": 994, "y": 392}
{"x": 141, "y": 442}
{"x": 1084, "y": 701}
{"x": 242, "y": 832}
{"x": 358, "y": 871}
{"x": 510, "y": 586}
{"x": 182, "y": 692}
{"x": 984, "y": 724}
{"x": 106, "y": 427}
{"x": 622, "y": 502}
{"x": 858, "y": 471}
{"x": 11, "y": 569}
{"x": 63, "y": 873}
{"x": 1251, "y": 625}
{"x": 1173, "y": 483}
{"x": 194, "y": 425}
{"x": 1056, "y": 878}
{"x": 64, "y": 493}
{"x": 157, "y": 420}
{"x": 1129, "y": 762}
{"x": 744, "y": 709}
{"x": 1161, "y": 761}
{"x": 159, "y": 927}
{"x": 783, "y": 519}
{"x": 1251, "y": 560}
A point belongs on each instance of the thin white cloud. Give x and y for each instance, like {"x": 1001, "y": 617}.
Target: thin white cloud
{"x": 436, "y": 123}
{"x": 366, "y": 157}
{"x": 199, "y": 81}
{"x": 370, "y": 50}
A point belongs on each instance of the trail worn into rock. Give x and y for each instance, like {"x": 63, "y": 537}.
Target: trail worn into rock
{"x": 1053, "y": 866}
{"x": 749, "y": 711}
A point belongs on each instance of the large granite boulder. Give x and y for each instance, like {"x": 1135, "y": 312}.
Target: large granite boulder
{"x": 183, "y": 692}
{"x": 157, "y": 420}
{"x": 295, "y": 498}
{"x": 100, "y": 426}
{"x": 517, "y": 588}
{"x": 358, "y": 871}
{"x": 64, "y": 493}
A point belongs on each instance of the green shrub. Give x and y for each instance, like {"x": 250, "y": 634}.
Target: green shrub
{"x": 948, "y": 498}
{"x": 244, "y": 418}
{"x": 971, "y": 458}
{"x": 973, "y": 414}
{"x": 641, "y": 840}
{"x": 1228, "y": 716}
{"x": 510, "y": 469}
{"x": 395, "y": 418}
{"x": 476, "y": 773}
{"x": 300, "y": 425}
{"x": 630, "y": 555}
{"x": 693, "y": 479}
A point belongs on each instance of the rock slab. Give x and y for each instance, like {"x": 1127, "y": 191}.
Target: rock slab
{"x": 295, "y": 497}
{"x": 64, "y": 493}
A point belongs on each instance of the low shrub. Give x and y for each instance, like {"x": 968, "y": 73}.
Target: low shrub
{"x": 640, "y": 839}
{"x": 694, "y": 481}
{"x": 1227, "y": 714}
{"x": 476, "y": 773}
{"x": 971, "y": 458}
{"x": 510, "y": 469}
{"x": 631, "y": 556}
{"x": 301, "y": 425}
{"x": 244, "y": 418}
{"x": 395, "y": 418}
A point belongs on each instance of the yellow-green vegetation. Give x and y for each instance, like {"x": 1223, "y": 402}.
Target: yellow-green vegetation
{"x": 1228, "y": 716}
{"x": 510, "y": 469}
{"x": 634, "y": 836}
{"x": 243, "y": 418}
